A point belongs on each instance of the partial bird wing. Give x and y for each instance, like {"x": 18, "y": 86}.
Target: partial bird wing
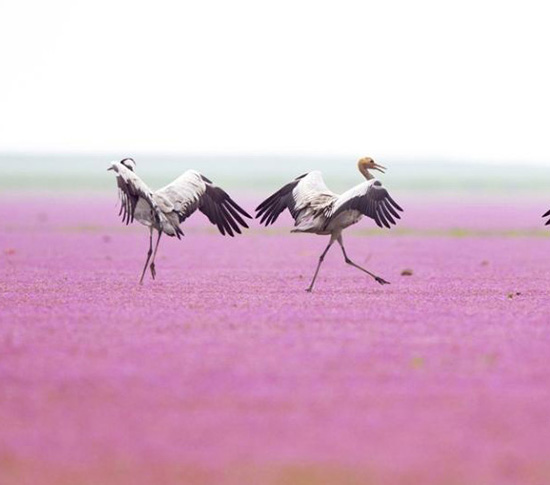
{"x": 307, "y": 194}
{"x": 192, "y": 191}
{"x": 131, "y": 189}
{"x": 546, "y": 214}
{"x": 371, "y": 199}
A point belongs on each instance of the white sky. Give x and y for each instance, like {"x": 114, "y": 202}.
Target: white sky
{"x": 405, "y": 79}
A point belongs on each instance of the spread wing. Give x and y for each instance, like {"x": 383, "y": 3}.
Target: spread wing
{"x": 192, "y": 191}
{"x": 131, "y": 188}
{"x": 305, "y": 195}
{"x": 372, "y": 200}
{"x": 546, "y": 214}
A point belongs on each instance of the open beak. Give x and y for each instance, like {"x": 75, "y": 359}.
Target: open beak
{"x": 380, "y": 168}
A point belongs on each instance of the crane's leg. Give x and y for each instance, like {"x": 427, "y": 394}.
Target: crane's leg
{"x": 148, "y": 255}
{"x": 321, "y": 258}
{"x": 351, "y": 263}
{"x": 153, "y": 269}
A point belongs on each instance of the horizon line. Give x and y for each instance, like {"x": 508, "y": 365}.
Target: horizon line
{"x": 255, "y": 155}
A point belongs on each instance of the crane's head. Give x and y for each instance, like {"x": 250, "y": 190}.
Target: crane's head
{"x": 366, "y": 164}
{"x": 129, "y": 163}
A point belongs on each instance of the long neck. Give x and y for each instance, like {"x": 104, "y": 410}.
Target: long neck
{"x": 367, "y": 174}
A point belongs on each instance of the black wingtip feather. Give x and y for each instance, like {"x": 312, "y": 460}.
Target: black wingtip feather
{"x": 387, "y": 214}
{"x": 238, "y": 208}
{"x": 395, "y": 204}
{"x": 391, "y": 210}
{"x": 272, "y": 207}
{"x": 236, "y": 216}
{"x": 223, "y": 211}
{"x": 230, "y": 220}
{"x": 382, "y": 217}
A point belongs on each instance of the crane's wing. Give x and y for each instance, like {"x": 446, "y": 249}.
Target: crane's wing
{"x": 192, "y": 191}
{"x": 546, "y": 214}
{"x": 306, "y": 194}
{"x": 131, "y": 188}
{"x": 372, "y": 200}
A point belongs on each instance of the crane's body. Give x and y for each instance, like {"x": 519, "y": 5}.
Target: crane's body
{"x": 165, "y": 209}
{"x": 320, "y": 206}
{"x": 318, "y": 210}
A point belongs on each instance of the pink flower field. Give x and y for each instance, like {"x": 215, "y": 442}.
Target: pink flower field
{"x": 224, "y": 370}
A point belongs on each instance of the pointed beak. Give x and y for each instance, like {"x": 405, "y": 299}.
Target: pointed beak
{"x": 110, "y": 168}
{"x": 380, "y": 168}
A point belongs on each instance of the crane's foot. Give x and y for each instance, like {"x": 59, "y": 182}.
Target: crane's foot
{"x": 309, "y": 290}
{"x": 153, "y": 270}
{"x": 381, "y": 281}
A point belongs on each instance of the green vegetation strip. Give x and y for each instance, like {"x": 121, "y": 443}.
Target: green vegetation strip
{"x": 453, "y": 232}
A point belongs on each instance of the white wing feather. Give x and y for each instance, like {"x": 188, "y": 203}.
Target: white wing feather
{"x": 182, "y": 195}
{"x": 192, "y": 191}
{"x": 306, "y": 198}
{"x": 357, "y": 191}
{"x": 131, "y": 190}
{"x": 312, "y": 193}
{"x": 371, "y": 199}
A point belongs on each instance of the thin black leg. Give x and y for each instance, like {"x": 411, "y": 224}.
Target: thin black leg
{"x": 321, "y": 258}
{"x": 153, "y": 269}
{"x": 351, "y": 263}
{"x": 148, "y": 256}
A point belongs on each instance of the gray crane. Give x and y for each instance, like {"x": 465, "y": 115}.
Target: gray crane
{"x": 318, "y": 210}
{"x": 165, "y": 209}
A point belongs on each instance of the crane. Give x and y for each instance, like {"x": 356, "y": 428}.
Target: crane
{"x": 318, "y": 210}
{"x": 165, "y": 209}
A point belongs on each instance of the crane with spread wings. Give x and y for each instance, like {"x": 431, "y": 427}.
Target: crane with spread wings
{"x": 318, "y": 210}
{"x": 165, "y": 209}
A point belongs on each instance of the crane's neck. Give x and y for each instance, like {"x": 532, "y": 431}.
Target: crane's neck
{"x": 366, "y": 173}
